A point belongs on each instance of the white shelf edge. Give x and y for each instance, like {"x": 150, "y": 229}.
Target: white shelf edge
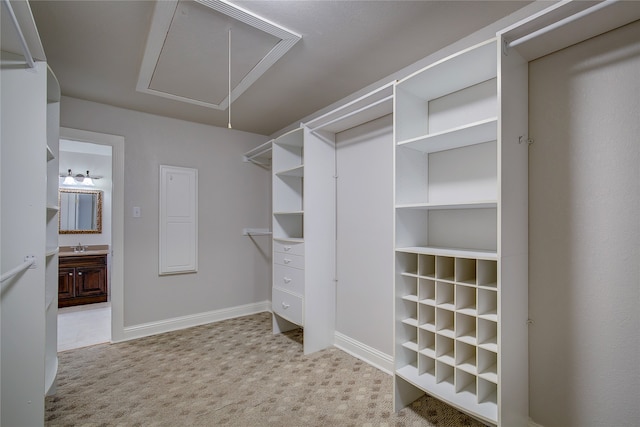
{"x": 262, "y": 151}
{"x": 459, "y": 253}
{"x": 256, "y": 232}
{"x": 462, "y": 136}
{"x": 289, "y": 213}
{"x": 297, "y": 172}
{"x": 53, "y": 208}
{"x": 289, "y": 239}
{"x": 478, "y": 204}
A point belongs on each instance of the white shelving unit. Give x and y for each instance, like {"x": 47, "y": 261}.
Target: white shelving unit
{"x": 303, "y": 293}
{"x": 51, "y": 249}
{"x": 460, "y": 235}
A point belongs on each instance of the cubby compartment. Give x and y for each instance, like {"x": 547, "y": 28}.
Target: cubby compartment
{"x": 465, "y": 382}
{"x": 488, "y": 335}
{"x": 427, "y": 317}
{"x": 427, "y": 265}
{"x": 427, "y": 365}
{"x": 446, "y": 93}
{"x": 288, "y": 225}
{"x": 445, "y": 351}
{"x": 445, "y": 322}
{"x": 487, "y": 392}
{"x": 288, "y": 152}
{"x": 487, "y": 273}
{"x": 427, "y": 291}
{"x": 466, "y": 271}
{"x": 445, "y": 374}
{"x": 466, "y": 357}
{"x": 445, "y": 268}
{"x": 409, "y": 337}
{"x": 407, "y": 287}
{"x": 409, "y": 312}
{"x": 407, "y": 263}
{"x": 463, "y": 229}
{"x": 289, "y": 194}
{"x": 406, "y": 357}
{"x": 427, "y": 343}
{"x": 488, "y": 304}
{"x": 488, "y": 365}
{"x": 466, "y": 329}
{"x": 445, "y": 295}
{"x": 466, "y": 300}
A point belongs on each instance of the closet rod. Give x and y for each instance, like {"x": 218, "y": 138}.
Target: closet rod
{"x": 29, "y": 261}
{"x": 347, "y": 105}
{"x": 23, "y": 43}
{"x": 561, "y": 22}
{"x": 353, "y": 113}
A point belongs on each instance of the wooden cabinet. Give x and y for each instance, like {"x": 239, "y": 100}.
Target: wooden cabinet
{"x": 82, "y": 279}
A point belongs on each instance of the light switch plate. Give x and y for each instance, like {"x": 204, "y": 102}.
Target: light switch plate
{"x": 136, "y": 212}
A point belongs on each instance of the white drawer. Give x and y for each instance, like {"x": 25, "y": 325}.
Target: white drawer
{"x": 295, "y": 261}
{"x": 290, "y": 279}
{"x": 287, "y": 305}
{"x": 288, "y": 247}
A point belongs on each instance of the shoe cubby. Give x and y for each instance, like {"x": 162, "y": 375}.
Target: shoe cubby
{"x": 466, "y": 328}
{"x": 465, "y": 271}
{"x": 466, "y": 359}
{"x": 488, "y": 365}
{"x": 409, "y": 338}
{"x": 445, "y": 322}
{"x": 427, "y": 343}
{"x": 488, "y": 304}
{"x": 488, "y": 273}
{"x": 466, "y": 301}
{"x": 426, "y": 365}
{"x": 427, "y": 291}
{"x": 465, "y": 382}
{"x": 427, "y": 317}
{"x": 445, "y": 295}
{"x": 427, "y": 265}
{"x": 445, "y": 268}
{"x": 488, "y": 335}
{"x": 444, "y": 373}
{"x": 407, "y": 263}
{"x": 487, "y": 392}
{"x": 445, "y": 349}
{"x": 409, "y": 312}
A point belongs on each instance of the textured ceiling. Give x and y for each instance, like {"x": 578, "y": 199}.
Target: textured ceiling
{"x": 96, "y": 50}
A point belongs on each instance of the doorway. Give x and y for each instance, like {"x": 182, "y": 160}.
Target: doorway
{"x": 103, "y": 322}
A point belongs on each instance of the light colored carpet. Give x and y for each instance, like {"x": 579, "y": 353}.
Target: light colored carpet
{"x": 230, "y": 373}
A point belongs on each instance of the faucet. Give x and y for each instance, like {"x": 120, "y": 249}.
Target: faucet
{"x": 80, "y": 248}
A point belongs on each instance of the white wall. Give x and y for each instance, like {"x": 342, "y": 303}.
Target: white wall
{"x": 584, "y": 233}
{"x": 365, "y": 235}
{"x": 97, "y": 165}
{"x": 233, "y": 269}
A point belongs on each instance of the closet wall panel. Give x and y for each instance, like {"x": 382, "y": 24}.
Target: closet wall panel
{"x": 365, "y": 234}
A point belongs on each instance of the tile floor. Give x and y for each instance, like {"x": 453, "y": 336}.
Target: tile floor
{"x": 84, "y": 325}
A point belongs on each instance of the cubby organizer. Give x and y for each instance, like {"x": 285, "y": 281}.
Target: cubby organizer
{"x": 450, "y": 241}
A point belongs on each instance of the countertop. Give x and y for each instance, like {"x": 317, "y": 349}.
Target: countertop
{"x": 66, "y": 251}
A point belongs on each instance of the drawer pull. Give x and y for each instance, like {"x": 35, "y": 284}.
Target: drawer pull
{"x": 285, "y": 305}
{"x": 70, "y": 274}
{"x": 287, "y": 248}
{"x": 287, "y": 260}
{"x": 79, "y": 273}
{"x": 287, "y": 280}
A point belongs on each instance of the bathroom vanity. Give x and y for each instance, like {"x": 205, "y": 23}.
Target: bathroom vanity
{"x": 82, "y": 276}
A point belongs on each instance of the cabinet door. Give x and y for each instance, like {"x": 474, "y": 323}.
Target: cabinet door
{"x": 66, "y": 282}
{"x": 91, "y": 281}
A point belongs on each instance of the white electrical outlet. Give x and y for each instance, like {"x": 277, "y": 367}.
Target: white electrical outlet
{"x": 136, "y": 212}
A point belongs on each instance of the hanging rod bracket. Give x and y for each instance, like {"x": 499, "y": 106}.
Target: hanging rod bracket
{"x": 522, "y": 139}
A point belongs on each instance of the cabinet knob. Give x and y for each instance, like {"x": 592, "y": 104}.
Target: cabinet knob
{"x": 285, "y": 305}
{"x": 287, "y": 280}
{"x": 287, "y": 248}
{"x": 70, "y": 274}
{"x": 287, "y": 260}
{"x": 79, "y": 273}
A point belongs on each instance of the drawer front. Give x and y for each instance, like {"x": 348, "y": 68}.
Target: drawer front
{"x": 288, "y": 247}
{"x": 295, "y": 261}
{"x": 287, "y": 305}
{"x": 290, "y": 279}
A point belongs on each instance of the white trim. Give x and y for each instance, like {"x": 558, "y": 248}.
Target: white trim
{"x": 161, "y": 21}
{"x": 534, "y": 424}
{"x": 117, "y": 219}
{"x": 183, "y": 322}
{"x": 373, "y": 357}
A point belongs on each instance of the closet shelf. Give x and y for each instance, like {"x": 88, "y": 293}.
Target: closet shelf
{"x": 462, "y": 136}
{"x": 480, "y": 204}
{"x": 297, "y": 172}
{"x": 261, "y": 155}
{"x": 459, "y": 253}
{"x": 256, "y": 232}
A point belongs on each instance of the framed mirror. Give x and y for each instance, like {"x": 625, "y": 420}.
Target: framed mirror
{"x": 80, "y": 211}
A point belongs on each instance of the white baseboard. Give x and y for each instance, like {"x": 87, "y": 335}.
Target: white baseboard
{"x": 374, "y": 357}
{"x": 533, "y": 424}
{"x": 176, "y": 323}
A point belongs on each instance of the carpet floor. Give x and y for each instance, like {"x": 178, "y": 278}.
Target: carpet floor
{"x": 230, "y": 373}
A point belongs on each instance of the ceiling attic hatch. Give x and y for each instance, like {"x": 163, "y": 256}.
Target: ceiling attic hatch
{"x": 187, "y": 53}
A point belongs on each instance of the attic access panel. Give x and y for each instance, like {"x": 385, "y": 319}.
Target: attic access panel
{"x": 186, "y": 56}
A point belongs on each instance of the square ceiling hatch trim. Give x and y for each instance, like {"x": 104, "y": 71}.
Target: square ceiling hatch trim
{"x": 186, "y": 55}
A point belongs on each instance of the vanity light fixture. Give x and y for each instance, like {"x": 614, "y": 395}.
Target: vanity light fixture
{"x": 79, "y": 179}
